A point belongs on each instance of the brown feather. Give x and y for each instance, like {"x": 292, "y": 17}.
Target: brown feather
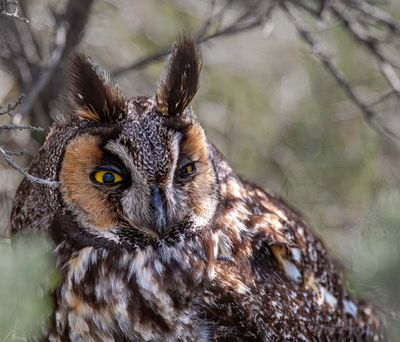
{"x": 97, "y": 98}
{"x": 176, "y": 91}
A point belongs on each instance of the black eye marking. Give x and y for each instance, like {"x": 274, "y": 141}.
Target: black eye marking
{"x": 108, "y": 177}
{"x": 110, "y": 172}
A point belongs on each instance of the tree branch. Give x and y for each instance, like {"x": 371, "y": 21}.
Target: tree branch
{"x": 11, "y": 107}
{"x": 7, "y": 155}
{"x": 372, "y": 44}
{"x": 21, "y": 127}
{"x": 10, "y": 161}
{"x": 251, "y": 18}
{"x": 46, "y": 74}
{"x": 326, "y": 60}
{"x": 15, "y": 14}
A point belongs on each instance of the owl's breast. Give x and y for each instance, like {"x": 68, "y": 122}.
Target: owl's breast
{"x": 145, "y": 295}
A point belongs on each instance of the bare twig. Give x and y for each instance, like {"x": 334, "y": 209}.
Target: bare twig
{"x": 21, "y": 127}
{"x": 376, "y": 13}
{"x": 13, "y": 153}
{"x": 362, "y": 36}
{"x": 15, "y": 14}
{"x": 42, "y": 80}
{"x": 250, "y": 19}
{"x": 382, "y": 98}
{"x": 8, "y": 154}
{"x": 10, "y": 107}
{"x": 326, "y": 60}
{"x": 46, "y": 74}
{"x": 33, "y": 179}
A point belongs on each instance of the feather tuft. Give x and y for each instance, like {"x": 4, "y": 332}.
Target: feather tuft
{"x": 180, "y": 83}
{"x": 96, "y": 96}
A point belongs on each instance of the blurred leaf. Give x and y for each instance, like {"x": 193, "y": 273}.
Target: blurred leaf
{"x": 27, "y": 274}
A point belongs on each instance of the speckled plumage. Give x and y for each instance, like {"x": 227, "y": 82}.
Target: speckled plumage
{"x": 170, "y": 255}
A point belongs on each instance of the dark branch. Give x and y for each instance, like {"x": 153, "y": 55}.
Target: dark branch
{"x": 10, "y": 107}
{"x": 372, "y": 44}
{"x": 254, "y": 16}
{"x": 46, "y": 74}
{"x": 326, "y": 60}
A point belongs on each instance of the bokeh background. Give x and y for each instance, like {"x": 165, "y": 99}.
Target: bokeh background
{"x": 272, "y": 109}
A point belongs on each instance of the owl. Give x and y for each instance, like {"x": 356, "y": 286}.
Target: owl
{"x": 158, "y": 239}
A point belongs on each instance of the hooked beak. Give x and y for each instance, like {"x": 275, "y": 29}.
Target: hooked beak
{"x": 157, "y": 203}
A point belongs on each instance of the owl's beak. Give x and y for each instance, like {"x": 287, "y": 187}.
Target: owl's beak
{"x": 159, "y": 210}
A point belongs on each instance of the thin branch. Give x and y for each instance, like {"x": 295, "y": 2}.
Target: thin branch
{"x": 326, "y": 60}
{"x": 14, "y": 14}
{"x": 358, "y": 32}
{"x": 45, "y": 75}
{"x": 21, "y": 127}
{"x": 376, "y": 13}
{"x": 40, "y": 80}
{"x": 251, "y": 15}
{"x": 13, "y": 153}
{"x": 10, "y": 161}
{"x": 142, "y": 62}
{"x": 381, "y": 99}
{"x": 11, "y": 107}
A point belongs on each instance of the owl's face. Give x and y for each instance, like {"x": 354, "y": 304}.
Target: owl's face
{"x": 142, "y": 164}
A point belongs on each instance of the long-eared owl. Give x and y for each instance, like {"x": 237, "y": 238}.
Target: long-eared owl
{"x": 158, "y": 239}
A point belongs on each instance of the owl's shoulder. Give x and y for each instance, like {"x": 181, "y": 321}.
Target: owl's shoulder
{"x": 269, "y": 260}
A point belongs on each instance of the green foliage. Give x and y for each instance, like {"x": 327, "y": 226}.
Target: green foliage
{"x": 27, "y": 275}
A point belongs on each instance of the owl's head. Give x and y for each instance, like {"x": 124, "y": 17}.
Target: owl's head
{"x": 142, "y": 166}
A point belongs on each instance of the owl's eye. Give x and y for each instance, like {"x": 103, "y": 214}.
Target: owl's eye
{"x": 187, "y": 170}
{"x": 107, "y": 177}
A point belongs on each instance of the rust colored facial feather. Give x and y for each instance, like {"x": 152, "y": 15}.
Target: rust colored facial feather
{"x": 195, "y": 145}
{"x": 82, "y": 155}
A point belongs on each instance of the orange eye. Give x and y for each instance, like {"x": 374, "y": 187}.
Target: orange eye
{"x": 107, "y": 177}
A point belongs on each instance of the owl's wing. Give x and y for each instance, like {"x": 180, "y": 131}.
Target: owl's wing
{"x": 274, "y": 276}
{"x": 296, "y": 248}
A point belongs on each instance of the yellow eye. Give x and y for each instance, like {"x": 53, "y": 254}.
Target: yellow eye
{"x": 107, "y": 177}
{"x": 189, "y": 169}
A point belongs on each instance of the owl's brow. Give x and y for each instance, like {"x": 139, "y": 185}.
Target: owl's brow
{"x": 120, "y": 151}
{"x": 175, "y": 152}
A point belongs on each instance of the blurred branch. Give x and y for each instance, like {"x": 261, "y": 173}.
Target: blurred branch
{"x": 376, "y": 13}
{"x": 326, "y": 60}
{"x": 350, "y": 13}
{"x": 370, "y": 42}
{"x": 7, "y": 155}
{"x": 40, "y": 81}
{"x": 46, "y": 73}
{"x": 4, "y": 10}
{"x": 21, "y": 127}
{"x": 11, "y": 107}
{"x": 252, "y": 17}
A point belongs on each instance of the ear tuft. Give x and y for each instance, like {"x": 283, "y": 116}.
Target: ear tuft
{"x": 176, "y": 91}
{"x": 97, "y": 98}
